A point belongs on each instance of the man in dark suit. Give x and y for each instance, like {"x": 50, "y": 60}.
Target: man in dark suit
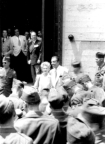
{"x": 34, "y": 54}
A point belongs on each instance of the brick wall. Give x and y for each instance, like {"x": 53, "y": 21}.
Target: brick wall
{"x": 85, "y": 20}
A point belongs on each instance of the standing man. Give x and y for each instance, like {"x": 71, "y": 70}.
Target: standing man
{"x": 34, "y": 54}
{"x": 100, "y": 74}
{"x": 19, "y": 52}
{"x": 6, "y": 44}
{"x": 57, "y": 72}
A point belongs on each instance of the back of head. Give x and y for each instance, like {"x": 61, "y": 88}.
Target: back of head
{"x": 30, "y": 96}
{"x": 6, "y": 109}
{"x": 57, "y": 98}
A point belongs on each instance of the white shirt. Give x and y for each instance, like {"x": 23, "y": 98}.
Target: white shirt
{"x": 42, "y": 82}
{"x": 60, "y": 72}
{"x": 16, "y": 47}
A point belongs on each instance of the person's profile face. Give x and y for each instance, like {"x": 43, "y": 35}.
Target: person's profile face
{"x": 54, "y": 62}
{"x": 99, "y": 61}
{"x": 4, "y": 33}
{"x": 16, "y": 32}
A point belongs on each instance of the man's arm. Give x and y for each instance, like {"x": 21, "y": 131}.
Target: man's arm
{"x": 10, "y": 48}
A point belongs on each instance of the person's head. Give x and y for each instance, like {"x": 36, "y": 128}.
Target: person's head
{"x": 6, "y": 62}
{"x": 45, "y": 67}
{"x": 17, "y": 32}
{"x": 7, "y": 111}
{"x": 33, "y": 36}
{"x": 57, "y": 98}
{"x": 44, "y": 93}
{"x": 39, "y": 34}
{"x": 4, "y": 33}
{"x": 99, "y": 58}
{"x": 93, "y": 114}
{"x": 76, "y": 66}
{"x": 26, "y": 35}
{"x": 9, "y": 32}
{"x": 55, "y": 61}
{"x": 31, "y": 98}
{"x": 85, "y": 81}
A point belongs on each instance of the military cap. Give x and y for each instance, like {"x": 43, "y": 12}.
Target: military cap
{"x": 92, "y": 112}
{"x": 30, "y": 96}
{"x": 57, "y": 94}
{"x": 83, "y": 79}
{"x": 6, "y": 59}
{"x": 78, "y": 132}
{"x": 69, "y": 84}
{"x": 100, "y": 55}
{"x": 76, "y": 64}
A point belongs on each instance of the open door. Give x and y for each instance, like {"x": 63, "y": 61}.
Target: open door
{"x": 52, "y": 12}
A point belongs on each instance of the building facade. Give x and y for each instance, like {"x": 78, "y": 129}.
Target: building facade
{"x": 84, "y": 19}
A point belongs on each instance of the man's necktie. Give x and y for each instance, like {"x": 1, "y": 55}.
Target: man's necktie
{"x": 19, "y": 43}
{"x": 55, "y": 73}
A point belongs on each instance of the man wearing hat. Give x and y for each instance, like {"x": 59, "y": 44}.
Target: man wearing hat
{"x": 10, "y": 74}
{"x": 8, "y": 134}
{"x": 94, "y": 116}
{"x": 77, "y": 69}
{"x": 98, "y": 92}
{"x": 59, "y": 104}
{"x": 41, "y": 128}
{"x": 99, "y": 76}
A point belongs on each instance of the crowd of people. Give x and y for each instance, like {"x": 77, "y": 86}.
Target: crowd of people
{"x": 58, "y": 107}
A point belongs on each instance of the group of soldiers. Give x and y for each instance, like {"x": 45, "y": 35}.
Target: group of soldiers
{"x": 72, "y": 113}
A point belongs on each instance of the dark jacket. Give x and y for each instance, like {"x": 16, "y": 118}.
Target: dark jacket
{"x": 34, "y": 51}
{"x": 42, "y": 129}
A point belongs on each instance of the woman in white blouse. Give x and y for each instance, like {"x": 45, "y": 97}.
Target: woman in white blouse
{"x": 43, "y": 80}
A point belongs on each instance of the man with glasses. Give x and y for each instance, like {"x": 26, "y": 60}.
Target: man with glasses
{"x": 57, "y": 72}
{"x": 6, "y": 78}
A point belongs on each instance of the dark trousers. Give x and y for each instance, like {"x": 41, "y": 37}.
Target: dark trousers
{"x": 33, "y": 73}
{"x": 20, "y": 66}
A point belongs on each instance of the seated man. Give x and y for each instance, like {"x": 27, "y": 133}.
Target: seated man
{"x": 8, "y": 133}
{"x": 41, "y": 128}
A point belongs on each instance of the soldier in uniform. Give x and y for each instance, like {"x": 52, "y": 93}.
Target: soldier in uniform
{"x": 99, "y": 76}
{"x": 41, "y": 128}
{"x": 98, "y": 92}
{"x": 77, "y": 69}
{"x": 8, "y": 134}
{"x": 10, "y": 74}
{"x": 94, "y": 116}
